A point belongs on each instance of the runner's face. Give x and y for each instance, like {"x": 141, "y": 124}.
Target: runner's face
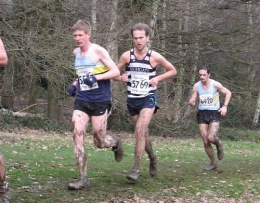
{"x": 204, "y": 76}
{"x": 140, "y": 39}
{"x": 80, "y": 37}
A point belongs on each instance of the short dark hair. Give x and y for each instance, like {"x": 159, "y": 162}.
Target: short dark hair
{"x": 205, "y": 67}
{"x": 82, "y": 25}
{"x": 141, "y": 26}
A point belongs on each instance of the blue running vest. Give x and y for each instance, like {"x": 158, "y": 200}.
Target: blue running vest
{"x": 85, "y": 66}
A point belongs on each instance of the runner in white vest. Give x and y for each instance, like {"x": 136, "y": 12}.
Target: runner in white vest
{"x": 209, "y": 113}
{"x": 140, "y": 65}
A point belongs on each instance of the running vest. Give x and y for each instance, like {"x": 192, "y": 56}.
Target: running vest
{"x": 209, "y": 98}
{"x": 139, "y": 73}
{"x": 85, "y": 66}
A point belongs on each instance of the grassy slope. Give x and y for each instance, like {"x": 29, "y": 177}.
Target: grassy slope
{"x": 40, "y": 165}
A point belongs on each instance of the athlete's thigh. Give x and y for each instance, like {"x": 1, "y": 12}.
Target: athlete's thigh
{"x": 135, "y": 119}
{"x": 145, "y": 116}
{"x": 99, "y": 123}
{"x": 213, "y": 128}
{"x": 203, "y": 128}
{"x": 80, "y": 120}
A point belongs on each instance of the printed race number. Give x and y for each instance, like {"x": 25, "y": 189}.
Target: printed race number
{"x": 140, "y": 84}
{"x": 82, "y": 74}
{"x": 206, "y": 100}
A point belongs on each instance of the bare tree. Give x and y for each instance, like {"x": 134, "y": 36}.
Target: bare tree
{"x": 113, "y": 34}
{"x": 94, "y": 18}
{"x": 250, "y": 61}
{"x": 153, "y": 20}
{"x": 223, "y": 34}
{"x": 257, "y": 111}
{"x": 183, "y": 26}
{"x": 195, "y": 54}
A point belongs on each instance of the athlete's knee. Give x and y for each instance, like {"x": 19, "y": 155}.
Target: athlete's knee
{"x": 206, "y": 143}
{"x": 141, "y": 130}
{"x": 212, "y": 138}
{"x": 78, "y": 137}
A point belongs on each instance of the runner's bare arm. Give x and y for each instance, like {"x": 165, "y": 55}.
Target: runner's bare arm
{"x": 194, "y": 95}
{"x": 108, "y": 62}
{"x": 158, "y": 59}
{"x": 123, "y": 61}
{"x": 227, "y": 93}
{"x": 3, "y": 55}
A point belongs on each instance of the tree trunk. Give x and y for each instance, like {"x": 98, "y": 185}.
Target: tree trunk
{"x": 94, "y": 19}
{"x": 153, "y": 19}
{"x": 112, "y": 48}
{"x": 6, "y": 6}
{"x": 154, "y": 15}
{"x": 257, "y": 111}
{"x": 54, "y": 93}
{"x": 250, "y": 62}
{"x": 195, "y": 60}
{"x": 250, "y": 48}
{"x": 32, "y": 89}
{"x": 54, "y": 109}
{"x": 183, "y": 24}
{"x": 163, "y": 47}
{"x": 112, "y": 42}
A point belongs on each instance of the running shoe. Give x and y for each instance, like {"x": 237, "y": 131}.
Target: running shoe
{"x": 211, "y": 166}
{"x": 79, "y": 184}
{"x": 118, "y": 150}
{"x": 133, "y": 175}
{"x": 4, "y": 193}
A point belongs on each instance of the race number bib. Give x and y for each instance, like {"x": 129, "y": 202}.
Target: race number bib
{"x": 82, "y": 74}
{"x": 140, "y": 84}
{"x": 206, "y": 100}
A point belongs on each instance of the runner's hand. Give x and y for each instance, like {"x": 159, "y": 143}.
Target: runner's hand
{"x": 72, "y": 90}
{"x": 90, "y": 80}
{"x": 223, "y": 110}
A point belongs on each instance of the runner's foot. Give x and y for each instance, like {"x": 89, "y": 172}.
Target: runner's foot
{"x": 220, "y": 151}
{"x": 211, "y": 166}
{"x": 79, "y": 184}
{"x": 153, "y": 166}
{"x": 4, "y": 193}
{"x": 118, "y": 150}
{"x": 133, "y": 175}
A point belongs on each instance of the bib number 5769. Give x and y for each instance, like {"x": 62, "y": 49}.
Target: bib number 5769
{"x": 140, "y": 84}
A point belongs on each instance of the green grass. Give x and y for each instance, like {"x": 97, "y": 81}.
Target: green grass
{"x": 40, "y": 165}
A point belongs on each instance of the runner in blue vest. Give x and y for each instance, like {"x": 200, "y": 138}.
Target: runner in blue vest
{"x": 140, "y": 65}
{"x": 209, "y": 113}
{"x": 94, "y": 68}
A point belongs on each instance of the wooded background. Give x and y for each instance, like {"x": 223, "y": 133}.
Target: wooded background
{"x": 223, "y": 34}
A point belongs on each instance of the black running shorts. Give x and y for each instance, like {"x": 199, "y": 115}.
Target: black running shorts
{"x": 92, "y": 108}
{"x": 135, "y": 105}
{"x": 208, "y": 116}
